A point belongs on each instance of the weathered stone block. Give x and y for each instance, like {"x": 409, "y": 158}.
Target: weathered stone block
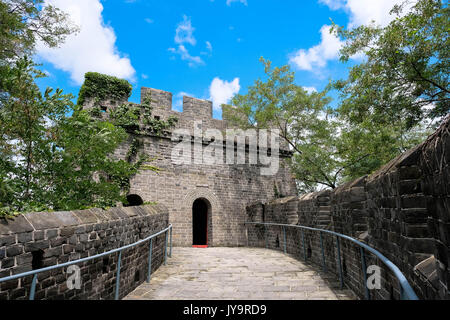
{"x": 52, "y": 233}
{"x": 67, "y": 232}
{"x": 7, "y": 263}
{"x": 7, "y": 240}
{"x": 14, "y": 250}
{"x": 38, "y": 245}
{"x": 25, "y": 258}
{"x": 16, "y": 225}
{"x": 24, "y": 237}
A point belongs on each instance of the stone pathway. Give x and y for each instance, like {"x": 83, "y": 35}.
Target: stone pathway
{"x": 237, "y": 274}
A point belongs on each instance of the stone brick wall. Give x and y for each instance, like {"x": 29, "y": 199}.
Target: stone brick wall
{"x": 226, "y": 188}
{"x": 434, "y": 163}
{"x": 348, "y": 206}
{"x": 402, "y": 210}
{"x": 36, "y": 240}
{"x": 314, "y": 209}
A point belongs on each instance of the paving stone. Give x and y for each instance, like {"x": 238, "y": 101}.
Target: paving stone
{"x": 235, "y": 274}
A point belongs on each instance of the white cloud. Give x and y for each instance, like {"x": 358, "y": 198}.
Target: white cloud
{"x": 244, "y": 2}
{"x": 185, "y": 55}
{"x": 184, "y": 32}
{"x": 310, "y": 89}
{"x": 92, "y": 49}
{"x": 334, "y": 4}
{"x": 362, "y": 12}
{"x": 209, "y": 46}
{"x": 209, "y": 49}
{"x": 317, "y": 56}
{"x": 148, "y": 20}
{"x": 222, "y": 91}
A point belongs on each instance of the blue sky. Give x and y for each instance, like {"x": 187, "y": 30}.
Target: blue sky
{"x": 203, "y": 48}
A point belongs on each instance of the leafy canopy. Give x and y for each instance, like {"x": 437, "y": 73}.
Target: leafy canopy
{"x": 327, "y": 149}
{"x": 25, "y": 22}
{"x": 53, "y": 161}
{"x": 102, "y": 87}
{"x": 405, "y": 75}
{"x": 305, "y": 120}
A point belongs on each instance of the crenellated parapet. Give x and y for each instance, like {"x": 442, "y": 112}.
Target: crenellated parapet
{"x": 197, "y": 114}
{"x": 194, "y": 110}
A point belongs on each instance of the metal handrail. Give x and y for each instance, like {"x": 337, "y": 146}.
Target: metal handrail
{"x": 407, "y": 291}
{"x": 167, "y": 231}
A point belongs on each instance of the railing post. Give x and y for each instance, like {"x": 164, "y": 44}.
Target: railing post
{"x": 165, "y": 250}
{"x": 364, "y": 269}
{"x": 284, "y": 237}
{"x": 304, "y": 245}
{"x": 170, "y": 251}
{"x": 119, "y": 260}
{"x": 33, "y": 287}
{"x": 149, "y": 273}
{"x": 339, "y": 261}
{"x": 323, "y": 252}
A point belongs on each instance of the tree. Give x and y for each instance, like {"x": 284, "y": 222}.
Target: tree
{"x": 405, "y": 76}
{"x": 305, "y": 120}
{"x": 366, "y": 146}
{"x": 55, "y": 156}
{"x": 327, "y": 149}
{"x": 24, "y": 22}
{"x": 25, "y": 117}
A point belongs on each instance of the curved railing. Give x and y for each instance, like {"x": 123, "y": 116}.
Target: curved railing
{"x": 406, "y": 291}
{"x": 167, "y": 231}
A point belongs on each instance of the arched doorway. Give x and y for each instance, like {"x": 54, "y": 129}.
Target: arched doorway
{"x": 134, "y": 200}
{"x": 200, "y": 222}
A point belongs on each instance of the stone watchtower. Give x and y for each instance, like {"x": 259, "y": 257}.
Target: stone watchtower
{"x": 206, "y": 201}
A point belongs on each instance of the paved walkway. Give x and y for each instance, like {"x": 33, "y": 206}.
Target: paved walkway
{"x": 237, "y": 273}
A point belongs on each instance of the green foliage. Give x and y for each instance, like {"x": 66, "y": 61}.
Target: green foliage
{"x": 328, "y": 150}
{"x": 24, "y": 22}
{"x": 305, "y": 122}
{"x": 51, "y": 161}
{"x": 25, "y": 118}
{"x": 138, "y": 119}
{"x": 405, "y": 76}
{"x": 102, "y": 87}
{"x": 126, "y": 116}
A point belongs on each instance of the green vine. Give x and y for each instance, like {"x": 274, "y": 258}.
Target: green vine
{"x": 102, "y": 87}
{"x": 277, "y": 194}
{"x": 96, "y": 111}
{"x": 133, "y": 150}
{"x": 138, "y": 119}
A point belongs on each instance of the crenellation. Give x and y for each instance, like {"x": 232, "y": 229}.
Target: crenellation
{"x": 160, "y": 99}
{"x": 198, "y": 109}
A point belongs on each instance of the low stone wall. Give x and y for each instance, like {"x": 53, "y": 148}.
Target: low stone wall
{"x": 402, "y": 210}
{"x": 435, "y": 184}
{"x": 348, "y": 208}
{"x": 36, "y": 240}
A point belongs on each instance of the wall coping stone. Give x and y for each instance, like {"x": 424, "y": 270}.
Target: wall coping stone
{"x": 34, "y": 221}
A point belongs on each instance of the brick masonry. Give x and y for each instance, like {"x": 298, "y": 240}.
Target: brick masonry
{"x": 402, "y": 210}
{"x": 226, "y": 188}
{"x": 37, "y": 240}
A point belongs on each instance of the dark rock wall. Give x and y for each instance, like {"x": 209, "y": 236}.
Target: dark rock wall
{"x": 37, "y": 240}
{"x": 402, "y": 210}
